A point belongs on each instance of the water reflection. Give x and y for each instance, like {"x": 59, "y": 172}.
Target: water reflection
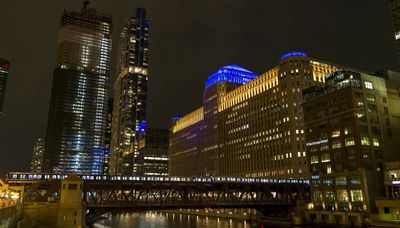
{"x": 169, "y": 220}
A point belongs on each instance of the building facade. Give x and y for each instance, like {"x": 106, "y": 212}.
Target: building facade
{"x": 37, "y": 156}
{"x": 78, "y": 107}
{"x": 130, "y": 93}
{"x": 249, "y": 126}
{"x": 107, "y": 140}
{"x": 4, "y": 68}
{"x": 352, "y": 125}
{"x": 153, "y": 152}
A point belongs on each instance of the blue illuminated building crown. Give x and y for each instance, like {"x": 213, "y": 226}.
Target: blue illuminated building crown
{"x": 231, "y": 73}
{"x": 141, "y": 127}
{"x": 293, "y": 53}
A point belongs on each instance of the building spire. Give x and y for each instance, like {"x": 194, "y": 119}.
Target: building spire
{"x": 85, "y": 3}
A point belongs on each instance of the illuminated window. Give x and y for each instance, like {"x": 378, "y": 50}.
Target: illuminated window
{"x": 329, "y": 196}
{"x": 335, "y": 133}
{"x": 370, "y": 97}
{"x": 328, "y": 169}
{"x": 375, "y": 141}
{"x": 340, "y": 181}
{"x": 368, "y": 85}
{"x": 325, "y": 158}
{"x": 336, "y": 144}
{"x": 365, "y": 141}
{"x": 349, "y": 141}
{"x": 356, "y": 195}
{"x": 342, "y": 196}
{"x": 397, "y": 35}
{"x": 327, "y": 182}
{"x": 324, "y": 147}
{"x": 317, "y": 196}
{"x": 347, "y": 130}
{"x": 314, "y": 159}
{"x": 355, "y": 180}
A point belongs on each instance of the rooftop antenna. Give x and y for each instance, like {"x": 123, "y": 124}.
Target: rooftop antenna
{"x": 85, "y": 3}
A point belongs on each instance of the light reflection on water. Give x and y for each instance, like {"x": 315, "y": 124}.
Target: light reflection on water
{"x": 169, "y": 220}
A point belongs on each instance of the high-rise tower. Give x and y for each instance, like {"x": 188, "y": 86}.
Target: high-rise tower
{"x": 130, "y": 92}
{"x": 37, "y": 156}
{"x": 78, "y": 107}
{"x": 4, "y": 66}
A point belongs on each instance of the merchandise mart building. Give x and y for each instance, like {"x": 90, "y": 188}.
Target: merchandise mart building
{"x": 249, "y": 126}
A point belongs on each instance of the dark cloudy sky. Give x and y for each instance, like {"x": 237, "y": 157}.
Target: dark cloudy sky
{"x": 189, "y": 40}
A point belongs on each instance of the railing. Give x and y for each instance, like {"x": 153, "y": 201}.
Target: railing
{"x": 16, "y": 177}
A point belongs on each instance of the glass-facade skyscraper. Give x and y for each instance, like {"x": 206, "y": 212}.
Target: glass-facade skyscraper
{"x": 78, "y": 107}
{"x": 130, "y": 92}
{"x": 4, "y": 67}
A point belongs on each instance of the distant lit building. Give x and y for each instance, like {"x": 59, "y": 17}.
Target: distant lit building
{"x": 4, "y": 68}
{"x": 352, "y": 127}
{"x": 395, "y": 11}
{"x": 37, "y": 156}
{"x": 389, "y": 206}
{"x": 248, "y": 126}
{"x": 130, "y": 93}
{"x": 78, "y": 107}
{"x": 107, "y": 140}
{"x": 153, "y": 153}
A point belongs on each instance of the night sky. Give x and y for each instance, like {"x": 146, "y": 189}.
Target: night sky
{"x": 190, "y": 39}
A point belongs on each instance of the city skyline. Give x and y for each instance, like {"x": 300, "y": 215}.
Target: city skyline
{"x": 181, "y": 69}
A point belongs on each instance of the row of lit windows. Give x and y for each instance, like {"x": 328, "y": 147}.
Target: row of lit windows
{"x": 342, "y": 195}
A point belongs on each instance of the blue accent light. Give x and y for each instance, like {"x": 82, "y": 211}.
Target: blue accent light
{"x": 175, "y": 118}
{"x": 141, "y": 127}
{"x": 293, "y": 53}
{"x": 231, "y": 73}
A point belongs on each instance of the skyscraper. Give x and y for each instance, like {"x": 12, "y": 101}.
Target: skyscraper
{"x": 395, "y": 11}
{"x": 37, "y": 156}
{"x": 130, "y": 92}
{"x": 153, "y": 153}
{"x": 4, "y": 67}
{"x": 107, "y": 141}
{"x": 78, "y": 106}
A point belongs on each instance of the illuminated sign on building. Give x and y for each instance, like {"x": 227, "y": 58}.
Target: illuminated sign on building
{"x": 317, "y": 142}
{"x": 293, "y": 53}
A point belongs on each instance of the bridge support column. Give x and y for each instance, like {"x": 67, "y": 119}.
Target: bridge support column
{"x": 71, "y": 211}
{"x": 298, "y": 218}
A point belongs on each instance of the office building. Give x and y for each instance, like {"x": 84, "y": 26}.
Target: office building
{"x": 130, "y": 92}
{"x": 107, "y": 140}
{"x": 248, "y": 126}
{"x": 153, "y": 152}
{"x": 4, "y": 68}
{"x": 352, "y": 127}
{"x": 78, "y": 108}
{"x": 37, "y": 156}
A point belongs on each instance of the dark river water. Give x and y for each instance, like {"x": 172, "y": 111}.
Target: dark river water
{"x": 171, "y": 220}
